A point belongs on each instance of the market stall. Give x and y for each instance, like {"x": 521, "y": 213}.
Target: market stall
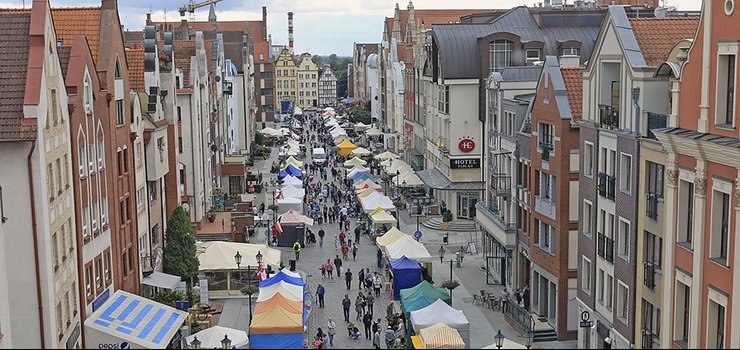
{"x": 354, "y": 162}
{"x": 438, "y": 312}
{"x": 406, "y": 274}
{"x": 438, "y": 336}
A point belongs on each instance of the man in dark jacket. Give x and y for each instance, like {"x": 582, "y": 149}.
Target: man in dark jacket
{"x": 320, "y": 292}
{"x": 346, "y": 303}
{"x": 338, "y": 265}
{"x": 361, "y": 277}
{"x": 367, "y": 321}
{"x": 321, "y": 237}
{"x": 348, "y": 278}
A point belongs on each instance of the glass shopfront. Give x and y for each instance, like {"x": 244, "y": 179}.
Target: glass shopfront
{"x": 498, "y": 261}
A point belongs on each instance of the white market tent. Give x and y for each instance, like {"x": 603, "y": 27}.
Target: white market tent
{"x": 373, "y": 132}
{"x": 288, "y": 203}
{"x": 210, "y": 338}
{"x": 410, "y": 248}
{"x": 390, "y": 237}
{"x": 355, "y": 170}
{"x": 380, "y": 216}
{"x": 219, "y": 256}
{"x": 292, "y": 180}
{"x": 354, "y": 162}
{"x": 268, "y": 131}
{"x": 359, "y": 151}
{"x": 292, "y": 191}
{"x": 359, "y": 168}
{"x": 294, "y": 217}
{"x": 359, "y": 126}
{"x": 437, "y": 312}
{"x": 376, "y": 200}
{"x": 508, "y": 344}
{"x": 409, "y": 180}
{"x": 387, "y": 155}
{"x": 287, "y": 290}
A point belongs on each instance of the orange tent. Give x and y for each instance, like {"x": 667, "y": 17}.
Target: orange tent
{"x": 278, "y": 300}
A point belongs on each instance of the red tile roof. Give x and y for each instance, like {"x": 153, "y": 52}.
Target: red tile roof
{"x": 135, "y": 60}
{"x": 658, "y": 36}
{"x": 72, "y": 21}
{"x": 573, "y": 78}
{"x": 14, "y": 49}
{"x": 184, "y": 51}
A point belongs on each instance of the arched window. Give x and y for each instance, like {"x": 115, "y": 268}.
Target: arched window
{"x": 87, "y": 97}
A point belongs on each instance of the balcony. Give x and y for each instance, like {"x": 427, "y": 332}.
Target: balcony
{"x": 492, "y": 220}
{"x": 608, "y": 117}
{"x": 651, "y": 205}
{"x": 501, "y": 184}
{"x": 605, "y": 247}
{"x": 607, "y": 186}
{"x": 649, "y": 274}
{"x": 545, "y": 206}
{"x": 546, "y": 148}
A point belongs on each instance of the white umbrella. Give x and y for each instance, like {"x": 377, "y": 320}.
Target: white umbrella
{"x": 359, "y": 151}
{"x": 373, "y": 132}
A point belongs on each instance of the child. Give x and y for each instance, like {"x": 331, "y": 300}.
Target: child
{"x": 323, "y": 271}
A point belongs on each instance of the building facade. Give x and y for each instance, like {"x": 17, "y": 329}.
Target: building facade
{"x": 286, "y": 81}
{"x": 308, "y": 82}
{"x": 327, "y": 87}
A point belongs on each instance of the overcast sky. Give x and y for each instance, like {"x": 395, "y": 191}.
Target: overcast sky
{"x": 321, "y": 26}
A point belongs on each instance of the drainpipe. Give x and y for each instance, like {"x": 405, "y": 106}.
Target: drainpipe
{"x": 36, "y": 245}
{"x": 515, "y": 256}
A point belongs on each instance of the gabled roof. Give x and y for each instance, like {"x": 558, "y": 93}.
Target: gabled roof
{"x": 72, "y": 21}
{"x": 567, "y": 86}
{"x": 14, "y": 50}
{"x": 184, "y": 51}
{"x": 64, "y": 53}
{"x": 135, "y": 60}
{"x": 658, "y": 36}
{"x": 573, "y": 78}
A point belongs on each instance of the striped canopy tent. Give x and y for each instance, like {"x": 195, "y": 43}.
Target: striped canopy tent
{"x": 354, "y": 162}
{"x": 441, "y": 336}
{"x": 357, "y": 168}
{"x": 345, "y": 147}
{"x": 367, "y": 184}
{"x": 361, "y": 151}
{"x": 387, "y": 155}
{"x": 389, "y": 237}
{"x": 380, "y": 216}
{"x": 288, "y": 290}
{"x": 340, "y": 138}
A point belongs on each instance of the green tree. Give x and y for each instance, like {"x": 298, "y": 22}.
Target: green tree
{"x": 359, "y": 114}
{"x": 179, "y": 248}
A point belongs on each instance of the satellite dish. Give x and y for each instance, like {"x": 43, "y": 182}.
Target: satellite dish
{"x": 660, "y": 12}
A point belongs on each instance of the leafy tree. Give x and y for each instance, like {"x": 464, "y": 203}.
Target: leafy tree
{"x": 179, "y": 250}
{"x": 359, "y": 114}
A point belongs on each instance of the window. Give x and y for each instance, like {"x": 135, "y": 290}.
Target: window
{"x": 601, "y": 282}
{"x": 653, "y": 188}
{"x": 87, "y": 97}
{"x": 95, "y": 213}
{"x": 60, "y": 317}
{"x": 101, "y": 154}
{"x": 587, "y": 219}
{"x": 444, "y": 99}
{"x": 262, "y": 57}
{"x": 67, "y": 312}
{"x": 98, "y": 274}
{"x": 720, "y": 226}
{"x": 686, "y": 213}
{"x": 625, "y": 173}
{"x": 122, "y": 211}
{"x": 107, "y": 266}
{"x": 499, "y": 52}
{"x": 89, "y": 292}
{"x": 586, "y": 275}
{"x": 54, "y": 107}
{"x": 235, "y": 185}
{"x": 104, "y": 211}
{"x": 623, "y": 247}
{"x": 650, "y": 324}
{"x": 609, "y": 293}
{"x": 622, "y": 301}
{"x": 726, "y": 90}
{"x": 160, "y": 148}
{"x": 683, "y": 312}
{"x": 588, "y": 159}
{"x": 139, "y": 154}
{"x": 533, "y": 55}
{"x": 545, "y": 136}
{"x": 125, "y": 160}
{"x": 58, "y": 163}
{"x": 81, "y": 153}
{"x": 152, "y": 189}
{"x": 119, "y": 112}
{"x": 85, "y": 218}
{"x": 124, "y": 264}
{"x": 179, "y": 113}
{"x": 546, "y": 237}
{"x": 570, "y": 51}
{"x": 55, "y": 250}
{"x": 546, "y": 185}
{"x": 50, "y": 180}
{"x": 117, "y": 73}
{"x": 653, "y": 249}
{"x": 179, "y": 144}
{"x": 715, "y": 326}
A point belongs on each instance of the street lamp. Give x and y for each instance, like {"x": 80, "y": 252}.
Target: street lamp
{"x": 499, "y": 339}
{"x": 195, "y": 344}
{"x": 226, "y": 342}
{"x": 442, "y": 261}
{"x": 529, "y": 336}
{"x": 238, "y": 260}
{"x": 259, "y": 261}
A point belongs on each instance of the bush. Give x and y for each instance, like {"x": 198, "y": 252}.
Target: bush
{"x": 447, "y": 215}
{"x": 450, "y": 284}
{"x": 259, "y": 138}
{"x": 169, "y": 297}
{"x": 273, "y": 206}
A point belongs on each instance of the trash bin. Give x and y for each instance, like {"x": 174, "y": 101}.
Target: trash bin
{"x": 292, "y": 264}
{"x": 446, "y": 238}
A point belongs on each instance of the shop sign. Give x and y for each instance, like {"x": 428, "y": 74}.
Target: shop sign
{"x": 466, "y": 163}
{"x": 466, "y": 145}
{"x": 100, "y": 300}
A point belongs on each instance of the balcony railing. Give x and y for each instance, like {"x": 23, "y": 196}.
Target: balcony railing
{"x": 147, "y": 265}
{"x": 546, "y": 148}
{"x": 605, "y": 247}
{"x": 608, "y": 117}
{"x": 649, "y": 272}
{"x": 651, "y": 205}
{"x": 607, "y": 185}
{"x": 501, "y": 184}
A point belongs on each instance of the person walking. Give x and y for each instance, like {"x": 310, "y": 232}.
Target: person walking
{"x": 320, "y": 337}
{"x": 348, "y": 278}
{"x": 377, "y": 284}
{"x": 370, "y": 300}
{"x": 320, "y": 291}
{"x": 354, "y": 251}
{"x": 332, "y": 330}
{"x": 526, "y": 297}
{"x": 345, "y": 250}
{"x": 376, "y": 339}
{"x": 379, "y": 256}
{"x": 390, "y": 336}
{"x": 321, "y": 237}
{"x": 357, "y": 232}
{"x": 342, "y": 237}
{"x": 359, "y": 308}
{"x": 297, "y": 250}
{"x": 376, "y": 325}
{"x": 346, "y": 303}
{"x": 336, "y": 243}
{"x": 361, "y": 278}
{"x": 338, "y": 265}
{"x": 367, "y": 321}
{"x": 329, "y": 269}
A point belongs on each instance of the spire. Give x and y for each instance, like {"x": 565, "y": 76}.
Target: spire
{"x": 212, "y": 13}
{"x": 397, "y": 23}
{"x": 411, "y": 28}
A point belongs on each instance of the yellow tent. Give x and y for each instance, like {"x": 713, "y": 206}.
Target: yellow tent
{"x": 441, "y": 336}
{"x": 390, "y": 237}
{"x": 380, "y": 216}
{"x": 345, "y": 147}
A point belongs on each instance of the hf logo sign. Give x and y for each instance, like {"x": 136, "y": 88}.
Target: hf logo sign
{"x": 466, "y": 145}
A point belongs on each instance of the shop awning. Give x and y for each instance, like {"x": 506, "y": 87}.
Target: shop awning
{"x": 161, "y": 280}
{"x": 435, "y": 179}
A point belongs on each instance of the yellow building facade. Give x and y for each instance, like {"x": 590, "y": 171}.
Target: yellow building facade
{"x": 286, "y": 78}
{"x": 308, "y": 78}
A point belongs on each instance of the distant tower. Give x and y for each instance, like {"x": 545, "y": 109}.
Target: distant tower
{"x": 212, "y": 13}
{"x": 290, "y": 32}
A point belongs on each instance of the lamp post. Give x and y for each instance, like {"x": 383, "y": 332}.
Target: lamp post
{"x": 442, "y": 261}
{"x": 195, "y": 344}
{"x": 259, "y": 261}
{"x": 226, "y": 342}
{"x": 499, "y": 339}
{"x": 238, "y": 260}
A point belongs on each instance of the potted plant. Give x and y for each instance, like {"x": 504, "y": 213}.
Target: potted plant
{"x": 249, "y": 290}
{"x": 273, "y": 207}
{"x": 446, "y": 215}
{"x": 450, "y": 284}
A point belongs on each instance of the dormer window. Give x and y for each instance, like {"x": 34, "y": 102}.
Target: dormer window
{"x": 500, "y": 54}
{"x": 570, "y": 51}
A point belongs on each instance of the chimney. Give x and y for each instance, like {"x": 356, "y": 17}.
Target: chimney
{"x": 264, "y": 23}
{"x": 290, "y": 32}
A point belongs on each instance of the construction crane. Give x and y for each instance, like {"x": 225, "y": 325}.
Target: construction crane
{"x": 191, "y": 6}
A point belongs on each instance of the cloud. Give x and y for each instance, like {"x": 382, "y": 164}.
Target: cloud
{"x": 326, "y": 26}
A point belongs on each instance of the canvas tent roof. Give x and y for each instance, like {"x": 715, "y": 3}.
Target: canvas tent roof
{"x": 161, "y": 280}
{"x": 376, "y": 200}
{"x": 276, "y": 320}
{"x": 288, "y": 290}
{"x": 373, "y": 132}
{"x": 360, "y": 151}
{"x": 292, "y": 306}
{"x": 409, "y": 180}
{"x": 292, "y": 191}
{"x": 441, "y": 336}
{"x": 391, "y": 236}
{"x": 409, "y": 247}
{"x": 354, "y": 162}
{"x": 292, "y": 180}
{"x": 294, "y": 217}
{"x": 437, "y": 312}
{"x": 210, "y": 338}
{"x": 427, "y": 289}
{"x": 357, "y": 170}
{"x": 366, "y": 192}
{"x": 281, "y": 276}
{"x": 387, "y": 155}
{"x": 368, "y": 184}
{"x": 295, "y": 162}
{"x": 382, "y": 218}
{"x": 218, "y": 255}
{"x": 365, "y": 176}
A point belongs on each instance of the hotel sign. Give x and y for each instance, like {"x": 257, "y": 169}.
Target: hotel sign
{"x": 466, "y": 163}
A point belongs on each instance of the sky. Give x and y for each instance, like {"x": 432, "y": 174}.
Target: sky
{"x": 321, "y": 27}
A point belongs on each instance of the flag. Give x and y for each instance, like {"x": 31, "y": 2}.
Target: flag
{"x": 276, "y": 227}
{"x": 261, "y": 274}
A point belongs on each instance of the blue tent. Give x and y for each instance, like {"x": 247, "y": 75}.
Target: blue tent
{"x": 406, "y": 274}
{"x": 279, "y": 277}
{"x": 359, "y": 174}
{"x": 290, "y": 170}
{"x": 276, "y": 341}
{"x": 365, "y": 176}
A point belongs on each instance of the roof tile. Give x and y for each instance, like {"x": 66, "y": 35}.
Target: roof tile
{"x": 658, "y": 36}
{"x": 14, "y": 49}
{"x": 135, "y": 60}
{"x": 573, "y": 78}
{"x": 72, "y": 21}
{"x": 184, "y": 51}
